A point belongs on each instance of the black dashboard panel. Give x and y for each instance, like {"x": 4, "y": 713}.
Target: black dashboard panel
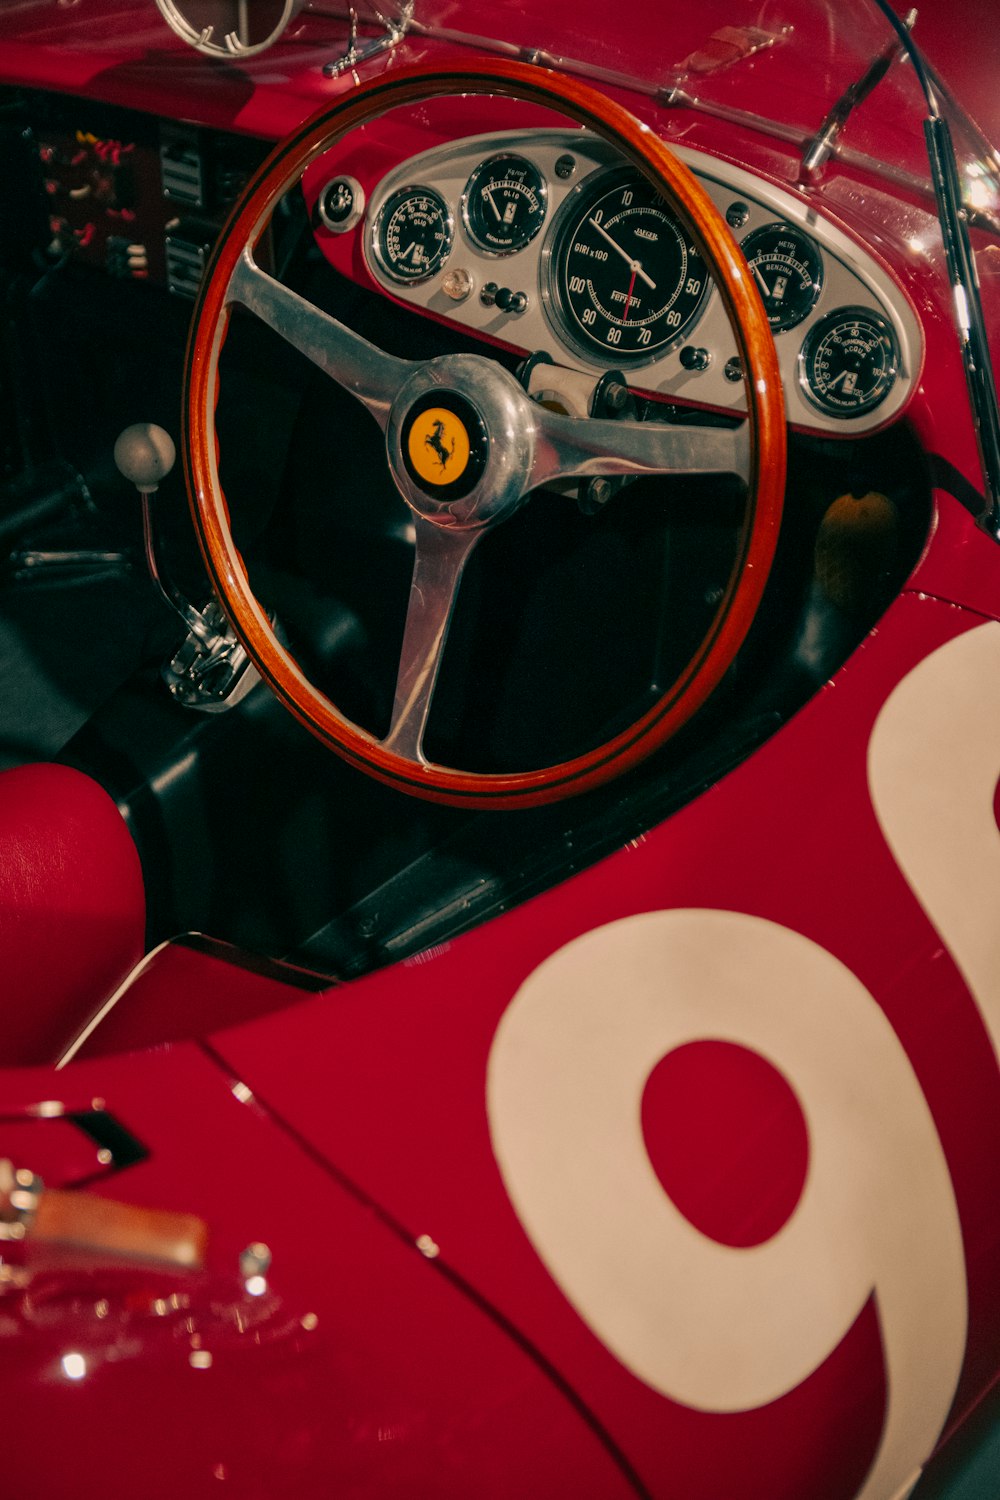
{"x": 136, "y": 197}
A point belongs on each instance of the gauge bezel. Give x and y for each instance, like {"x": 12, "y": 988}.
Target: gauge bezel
{"x": 354, "y": 217}
{"x": 589, "y": 189}
{"x": 543, "y": 194}
{"x": 387, "y": 208}
{"x": 793, "y": 231}
{"x": 819, "y": 330}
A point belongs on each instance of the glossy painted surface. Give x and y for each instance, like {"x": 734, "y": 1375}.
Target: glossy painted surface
{"x": 127, "y": 52}
{"x": 828, "y": 876}
{"x": 180, "y": 991}
{"x": 357, "y": 1365}
{"x": 700, "y": 1145}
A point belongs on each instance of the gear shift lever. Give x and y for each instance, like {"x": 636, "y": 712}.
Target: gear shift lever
{"x": 145, "y": 454}
{"x": 211, "y": 670}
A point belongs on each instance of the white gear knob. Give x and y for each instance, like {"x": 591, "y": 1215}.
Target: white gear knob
{"x": 145, "y": 454}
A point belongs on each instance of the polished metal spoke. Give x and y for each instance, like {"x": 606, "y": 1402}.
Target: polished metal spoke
{"x": 441, "y": 555}
{"x": 365, "y": 371}
{"x": 587, "y": 446}
{"x": 530, "y": 446}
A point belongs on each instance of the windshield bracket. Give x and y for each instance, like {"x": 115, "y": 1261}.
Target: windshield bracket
{"x": 820, "y": 147}
{"x": 395, "y": 29}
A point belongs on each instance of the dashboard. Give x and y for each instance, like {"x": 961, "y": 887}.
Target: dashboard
{"x": 546, "y": 242}
{"x": 137, "y": 197}
{"x": 541, "y": 240}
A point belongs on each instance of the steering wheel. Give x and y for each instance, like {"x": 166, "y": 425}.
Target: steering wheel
{"x": 506, "y": 444}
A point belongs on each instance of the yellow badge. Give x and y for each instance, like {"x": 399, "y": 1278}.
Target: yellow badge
{"x": 438, "y": 446}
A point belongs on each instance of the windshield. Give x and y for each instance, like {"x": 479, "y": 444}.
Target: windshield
{"x": 834, "y": 84}
{"x": 819, "y": 95}
{"x": 782, "y": 67}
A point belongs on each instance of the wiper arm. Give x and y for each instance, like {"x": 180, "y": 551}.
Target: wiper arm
{"x": 822, "y": 145}
{"x": 968, "y": 312}
{"x": 954, "y": 218}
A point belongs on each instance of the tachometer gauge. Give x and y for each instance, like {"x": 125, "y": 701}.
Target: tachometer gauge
{"x": 504, "y": 204}
{"x": 625, "y": 281}
{"x": 413, "y": 234}
{"x": 849, "y": 361}
{"x": 788, "y": 270}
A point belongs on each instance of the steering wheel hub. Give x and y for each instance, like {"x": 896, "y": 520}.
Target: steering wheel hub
{"x": 460, "y": 440}
{"x": 445, "y": 450}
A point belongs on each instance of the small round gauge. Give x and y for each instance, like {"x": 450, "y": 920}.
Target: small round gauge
{"x": 625, "y": 281}
{"x": 504, "y": 204}
{"x": 413, "y": 234}
{"x": 848, "y": 362}
{"x": 788, "y": 270}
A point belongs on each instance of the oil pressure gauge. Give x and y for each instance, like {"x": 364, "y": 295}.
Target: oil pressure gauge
{"x": 413, "y": 234}
{"x": 788, "y": 270}
{"x": 849, "y": 362}
{"x": 504, "y": 204}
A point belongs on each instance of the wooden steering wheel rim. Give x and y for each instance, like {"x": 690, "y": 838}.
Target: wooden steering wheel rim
{"x": 762, "y": 383}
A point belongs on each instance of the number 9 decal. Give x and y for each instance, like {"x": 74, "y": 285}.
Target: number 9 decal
{"x": 714, "y": 1327}
{"x": 933, "y": 765}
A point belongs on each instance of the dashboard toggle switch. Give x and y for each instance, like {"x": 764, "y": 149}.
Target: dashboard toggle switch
{"x": 503, "y": 298}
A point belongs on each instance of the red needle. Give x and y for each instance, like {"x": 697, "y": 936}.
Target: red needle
{"x": 628, "y": 299}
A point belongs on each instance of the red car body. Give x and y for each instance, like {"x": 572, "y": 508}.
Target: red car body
{"x": 677, "y": 1177}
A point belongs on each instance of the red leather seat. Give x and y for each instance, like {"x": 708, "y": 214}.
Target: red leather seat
{"x": 72, "y": 907}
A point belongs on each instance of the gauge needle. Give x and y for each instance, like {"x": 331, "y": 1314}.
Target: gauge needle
{"x": 763, "y": 284}
{"x": 634, "y": 265}
{"x": 628, "y": 299}
{"x": 499, "y": 215}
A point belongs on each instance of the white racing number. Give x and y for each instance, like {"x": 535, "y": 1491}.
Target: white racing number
{"x": 933, "y": 766}
{"x": 708, "y": 1325}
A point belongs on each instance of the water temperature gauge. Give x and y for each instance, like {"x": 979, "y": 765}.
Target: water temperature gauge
{"x": 849, "y": 361}
{"x": 788, "y": 271}
{"x": 413, "y": 234}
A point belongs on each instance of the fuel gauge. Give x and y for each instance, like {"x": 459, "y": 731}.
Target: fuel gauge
{"x": 788, "y": 270}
